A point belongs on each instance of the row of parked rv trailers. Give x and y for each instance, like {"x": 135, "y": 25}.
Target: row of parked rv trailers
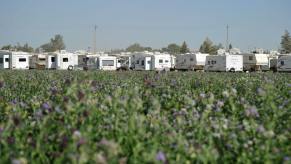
{"x": 64, "y": 60}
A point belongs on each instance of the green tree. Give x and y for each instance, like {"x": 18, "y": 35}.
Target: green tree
{"x": 7, "y": 47}
{"x": 137, "y": 48}
{"x": 208, "y": 47}
{"x": 286, "y": 43}
{"x": 26, "y": 48}
{"x": 55, "y": 44}
{"x": 184, "y": 48}
{"x": 172, "y": 49}
{"x": 230, "y": 46}
{"x": 18, "y": 47}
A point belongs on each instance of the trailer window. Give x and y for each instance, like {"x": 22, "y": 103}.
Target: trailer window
{"x": 142, "y": 62}
{"x": 282, "y": 62}
{"x": 53, "y": 59}
{"x": 149, "y": 62}
{"x": 22, "y": 59}
{"x": 160, "y": 61}
{"x": 107, "y": 62}
{"x": 191, "y": 59}
{"x": 1, "y": 60}
{"x": 65, "y": 60}
{"x": 209, "y": 62}
{"x": 251, "y": 58}
{"x": 213, "y": 62}
{"x": 41, "y": 59}
{"x": 166, "y": 61}
{"x": 137, "y": 62}
{"x": 6, "y": 59}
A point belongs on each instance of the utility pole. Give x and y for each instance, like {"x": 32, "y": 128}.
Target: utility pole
{"x": 94, "y": 40}
{"x": 227, "y": 39}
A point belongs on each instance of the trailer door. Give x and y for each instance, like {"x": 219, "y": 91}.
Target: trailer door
{"x": 148, "y": 63}
{"x": 6, "y": 62}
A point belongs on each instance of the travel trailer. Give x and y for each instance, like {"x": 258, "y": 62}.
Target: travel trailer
{"x": 37, "y": 61}
{"x": 62, "y": 60}
{"x": 123, "y": 62}
{"x": 87, "y": 62}
{"x": 256, "y": 62}
{"x": 152, "y": 61}
{"x": 273, "y": 61}
{"x": 191, "y": 61}
{"x": 284, "y": 63}
{"x": 14, "y": 60}
{"x": 224, "y": 63}
{"x": 106, "y": 63}
{"x": 4, "y": 60}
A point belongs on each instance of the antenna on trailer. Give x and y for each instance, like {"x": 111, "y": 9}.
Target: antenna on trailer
{"x": 94, "y": 40}
{"x": 227, "y": 38}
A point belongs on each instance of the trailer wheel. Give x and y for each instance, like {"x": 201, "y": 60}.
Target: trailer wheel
{"x": 70, "y": 67}
{"x": 232, "y": 70}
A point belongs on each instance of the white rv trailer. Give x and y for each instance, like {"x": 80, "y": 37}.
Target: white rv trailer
{"x": 62, "y": 60}
{"x": 191, "y": 61}
{"x": 107, "y": 63}
{"x": 38, "y": 61}
{"x": 256, "y": 62}
{"x": 152, "y": 61}
{"x": 123, "y": 62}
{"x": 224, "y": 63}
{"x": 14, "y": 60}
{"x": 4, "y": 60}
{"x": 284, "y": 63}
{"x": 87, "y": 62}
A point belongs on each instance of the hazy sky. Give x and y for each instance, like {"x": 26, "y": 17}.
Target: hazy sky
{"x": 155, "y": 23}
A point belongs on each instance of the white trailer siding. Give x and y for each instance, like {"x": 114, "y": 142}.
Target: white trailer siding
{"x": 108, "y": 63}
{"x": 284, "y": 63}
{"x": 191, "y": 61}
{"x": 161, "y": 62}
{"x": 19, "y": 60}
{"x": 256, "y": 62}
{"x": 141, "y": 61}
{"x": 224, "y": 63}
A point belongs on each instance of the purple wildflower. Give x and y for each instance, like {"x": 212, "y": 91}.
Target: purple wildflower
{"x": 287, "y": 158}
{"x": 261, "y": 129}
{"x": 252, "y": 112}
{"x": 45, "y": 106}
{"x": 161, "y": 156}
{"x": 54, "y": 90}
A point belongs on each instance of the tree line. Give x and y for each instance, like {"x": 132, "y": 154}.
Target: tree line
{"x": 57, "y": 43}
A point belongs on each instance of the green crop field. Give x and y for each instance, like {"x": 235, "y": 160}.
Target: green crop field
{"x": 144, "y": 117}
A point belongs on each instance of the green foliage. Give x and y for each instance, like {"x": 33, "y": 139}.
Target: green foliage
{"x": 208, "y": 47}
{"x": 230, "y": 46}
{"x": 172, "y": 49}
{"x": 184, "y": 48}
{"x": 18, "y": 47}
{"x": 144, "y": 117}
{"x": 55, "y": 44}
{"x": 7, "y": 47}
{"x": 286, "y": 43}
{"x": 137, "y": 48}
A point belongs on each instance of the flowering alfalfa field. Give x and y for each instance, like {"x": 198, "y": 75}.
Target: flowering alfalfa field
{"x": 144, "y": 117}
